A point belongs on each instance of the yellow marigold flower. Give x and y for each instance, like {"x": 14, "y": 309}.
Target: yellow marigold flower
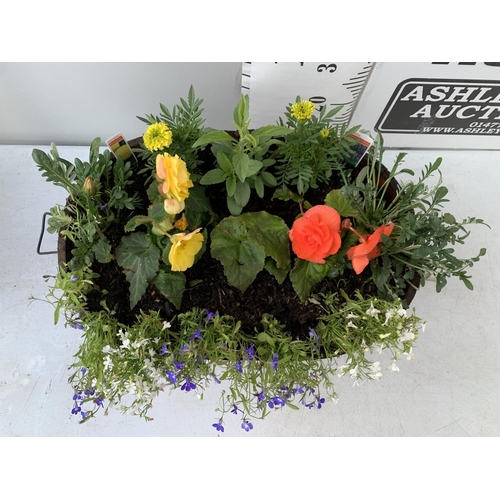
{"x": 174, "y": 178}
{"x": 324, "y": 133}
{"x": 157, "y": 136}
{"x": 303, "y": 110}
{"x": 184, "y": 249}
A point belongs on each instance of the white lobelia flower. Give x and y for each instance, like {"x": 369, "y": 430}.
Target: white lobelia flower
{"x": 351, "y": 325}
{"x": 401, "y": 312}
{"x": 108, "y": 363}
{"x": 406, "y": 334}
{"x": 375, "y": 371}
{"x": 354, "y": 372}
{"x": 351, "y": 316}
{"x": 166, "y": 325}
{"x": 372, "y": 311}
{"x": 393, "y": 367}
{"x": 409, "y": 354}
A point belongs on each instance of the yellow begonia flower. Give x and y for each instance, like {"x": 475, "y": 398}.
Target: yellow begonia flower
{"x": 157, "y": 136}
{"x": 324, "y": 133}
{"x": 174, "y": 178}
{"x": 184, "y": 249}
{"x": 303, "y": 110}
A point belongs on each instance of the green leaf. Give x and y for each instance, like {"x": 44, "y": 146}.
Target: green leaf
{"x": 440, "y": 194}
{"x": 152, "y": 192}
{"x": 102, "y": 250}
{"x": 58, "y": 172}
{"x": 242, "y": 193}
{"x": 240, "y": 114}
{"x": 335, "y": 199}
{"x": 213, "y": 177}
{"x": 231, "y": 186}
{"x": 467, "y": 283}
{"x": 197, "y": 204}
{"x": 224, "y": 162}
{"x": 305, "y": 275}
{"x": 157, "y": 212}
{"x": 253, "y": 167}
{"x": 136, "y": 221}
{"x": 269, "y": 131}
{"x": 240, "y": 164}
{"x": 271, "y": 233}
{"x": 268, "y": 179}
{"x": 215, "y": 136}
{"x": 265, "y": 337}
{"x": 172, "y": 285}
{"x": 272, "y": 268}
{"x": 233, "y": 207}
{"x": 94, "y": 150}
{"x": 259, "y": 186}
{"x": 140, "y": 260}
{"x": 242, "y": 259}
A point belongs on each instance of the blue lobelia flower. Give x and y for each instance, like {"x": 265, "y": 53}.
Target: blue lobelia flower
{"x": 246, "y": 425}
{"x": 98, "y": 401}
{"x": 275, "y": 361}
{"x": 178, "y": 365}
{"x": 238, "y": 366}
{"x": 250, "y": 353}
{"x": 218, "y": 426}
{"x": 172, "y": 376}
{"x": 196, "y": 334}
{"x": 164, "y": 349}
{"x": 261, "y": 396}
{"x": 188, "y": 385}
{"x": 210, "y": 316}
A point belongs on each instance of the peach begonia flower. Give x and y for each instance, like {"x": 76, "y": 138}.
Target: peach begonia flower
{"x": 184, "y": 249}
{"x": 173, "y": 176}
{"x": 361, "y": 254}
{"x": 316, "y": 235}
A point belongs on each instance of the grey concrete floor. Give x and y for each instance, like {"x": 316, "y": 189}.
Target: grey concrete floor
{"x": 450, "y": 388}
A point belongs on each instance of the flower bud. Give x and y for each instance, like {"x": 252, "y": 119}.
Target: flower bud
{"x": 161, "y": 228}
{"x": 173, "y": 207}
{"x": 89, "y": 186}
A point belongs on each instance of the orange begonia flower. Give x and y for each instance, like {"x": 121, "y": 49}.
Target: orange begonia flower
{"x": 361, "y": 254}
{"x": 316, "y": 235}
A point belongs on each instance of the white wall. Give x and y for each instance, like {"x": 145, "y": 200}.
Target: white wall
{"x": 72, "y": 103}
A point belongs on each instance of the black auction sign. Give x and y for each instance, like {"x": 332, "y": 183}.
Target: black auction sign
{"x": 443, "y": 106}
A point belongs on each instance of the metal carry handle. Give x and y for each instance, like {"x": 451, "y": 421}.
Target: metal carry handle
{"x": 41, "y": 237}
